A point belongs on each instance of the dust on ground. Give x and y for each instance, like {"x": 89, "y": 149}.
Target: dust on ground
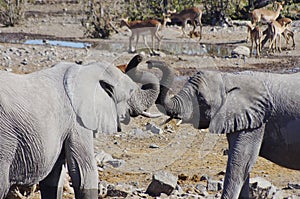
{"x": 185, "y": 151}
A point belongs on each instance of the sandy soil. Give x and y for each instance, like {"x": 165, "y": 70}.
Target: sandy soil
{"x": 186, "y": 150}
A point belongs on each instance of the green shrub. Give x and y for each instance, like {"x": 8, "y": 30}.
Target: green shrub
{"x": 11, "y": 11}
{"x": 101, "y": 16}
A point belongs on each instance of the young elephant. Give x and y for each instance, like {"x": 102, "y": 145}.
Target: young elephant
{"x": 47, "y": 118}
{"x": 259, "y": 113}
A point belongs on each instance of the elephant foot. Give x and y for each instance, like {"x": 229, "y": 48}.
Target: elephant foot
{"x": 86, "y": 194}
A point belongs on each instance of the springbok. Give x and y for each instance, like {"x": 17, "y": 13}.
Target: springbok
{"x": 265, "y": 15}
{"x": 193, "y": 14}
{"x": 275, "y": 30}
{"x": 285, "y": 21}
{"x": 288, "y": 33}
{"x": 144, "y": 28}
{"x": 255, "y": 37}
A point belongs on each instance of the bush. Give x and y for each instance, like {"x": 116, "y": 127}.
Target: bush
{"x": 100, "y": 15}
{"x": 11, "y": 11}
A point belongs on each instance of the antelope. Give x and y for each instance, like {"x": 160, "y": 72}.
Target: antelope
{"x": 193, "y": 14}
{"x": 144, "y": 28}
{"x": 283, "y": 25}
{"x": 275, "y": 30}
{"x": 284, "y": 21}
{"x": 255, "y": 37}
{"x": 288, "y": 33}
{"x": 266, "y": 15}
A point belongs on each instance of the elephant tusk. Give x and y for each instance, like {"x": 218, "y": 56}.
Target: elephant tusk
{"x": 169, "y": 119}
{"x": 179, "y": 122}
{"x": 150, "y": 115}
{"x": 166, "y": 121}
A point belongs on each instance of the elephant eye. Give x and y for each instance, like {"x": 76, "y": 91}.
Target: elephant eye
{"x": 232, "y": 89}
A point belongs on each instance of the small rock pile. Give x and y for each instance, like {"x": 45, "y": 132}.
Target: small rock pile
{"x": 165, "y": 185}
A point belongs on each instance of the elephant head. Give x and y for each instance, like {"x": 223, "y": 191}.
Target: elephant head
{"x": 102, "y": 96}
{"x": 209, "y": 99}
{"x": 144, "y": 97}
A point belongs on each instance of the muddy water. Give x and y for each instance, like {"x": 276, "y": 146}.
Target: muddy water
{"x": 168, "y": 47}
{"x": 174, "y": 48}
{"x": 192, "y": 48}
{"x": 58, "y": 43}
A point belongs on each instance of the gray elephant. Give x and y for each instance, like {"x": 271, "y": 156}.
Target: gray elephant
{"x": 47, "y": 119}
{"x": 259, "y": 113}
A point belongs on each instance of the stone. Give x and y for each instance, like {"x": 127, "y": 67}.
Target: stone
{"x": 293, "y": 186}
{"x": 8, "y": 69}
{"x": 116, "y": 163}
{"x": 201, "y": 190}
{"x": 225, "y": 152}
{"x": 213, "y": 185}
{"x": 162, "y": 182}
{"x": 261, "y": 188}
{"x": 104, "y": 158}
{"x": 178, "y": 190}
{"x": 112, "y": 191}
{"x": 196, "y": 178}
{"x": 222, "y": 173}
{"x": 153, "y": 128}
{"x": 137, "y": 132}
{"x": 24, "y": 62}
{"x": 102, "y": 189}
{"x": 153, "y": 146}
{"x": 241, "y": 51}
{"x": 204, "y": 177}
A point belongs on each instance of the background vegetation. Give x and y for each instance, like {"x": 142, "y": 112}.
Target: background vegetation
{"x": 11, "y": 11}
{"x": 100, "y": 17}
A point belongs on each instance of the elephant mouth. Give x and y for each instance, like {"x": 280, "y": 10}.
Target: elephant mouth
{"x": 124, "y": 119}
{"x": 135, "y": 113}
{"x": 179, "y": 121}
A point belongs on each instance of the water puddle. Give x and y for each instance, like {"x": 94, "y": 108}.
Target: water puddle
{"x": 58, "y": 43}
{"x": 180, "y": 48}
{"x": 173, "y": 48}
{"x": 292, "y": 70}
{"x": 197, "y": 49}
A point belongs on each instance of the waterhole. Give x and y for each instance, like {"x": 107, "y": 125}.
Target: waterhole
{"x": 58, "y": 43}
{"x": 174, "y": 48}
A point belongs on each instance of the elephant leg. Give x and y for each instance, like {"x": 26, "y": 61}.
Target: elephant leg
{"x": 244, "y": 148}
{"x": 52, "y": 185}
{"x": 4, "y": 179}
{"x": 245, "y": 189}
{"x": 82, "y": 166}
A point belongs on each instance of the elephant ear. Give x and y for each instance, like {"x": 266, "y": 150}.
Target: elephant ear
{"x": 91, "y": 92}
{"x": 246, "y": 105}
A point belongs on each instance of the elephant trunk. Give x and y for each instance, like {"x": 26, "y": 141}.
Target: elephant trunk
{"x": 146, "y": 96}
{"x": 173, "y": 107}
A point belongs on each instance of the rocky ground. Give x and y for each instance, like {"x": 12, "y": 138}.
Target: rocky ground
{"x": 128, "y": 160}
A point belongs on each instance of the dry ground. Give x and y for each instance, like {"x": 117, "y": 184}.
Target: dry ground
{"x": 187, "y": 150}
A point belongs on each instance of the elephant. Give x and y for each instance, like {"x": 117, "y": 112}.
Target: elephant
{"x": 48, "y": 117}
{"x": 258, "y": 111}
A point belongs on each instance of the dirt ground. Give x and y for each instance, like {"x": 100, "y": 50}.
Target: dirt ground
{"x": 183, "y": 151}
